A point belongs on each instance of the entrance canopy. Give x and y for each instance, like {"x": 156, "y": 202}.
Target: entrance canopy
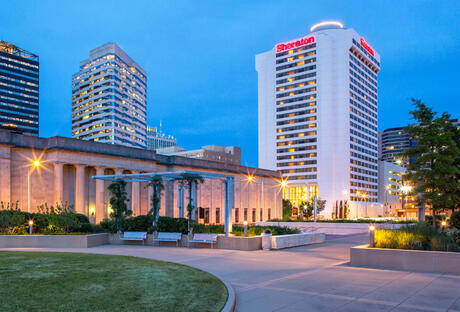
{"x": 229, "y": 181}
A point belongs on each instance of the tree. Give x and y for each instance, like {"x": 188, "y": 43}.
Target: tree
{"x": 157, "y": 187}
{"x": 190, "y": 179}
{"x": 287, "y": 209}
{"x": 433, "y": 172}
{"x": 118, "y": 201}
{"x": 306, "y": 208}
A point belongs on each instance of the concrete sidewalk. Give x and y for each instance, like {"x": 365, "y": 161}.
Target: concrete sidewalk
{"x": 309, "y": 278}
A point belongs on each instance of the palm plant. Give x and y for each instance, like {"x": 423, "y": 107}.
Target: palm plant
{"x": 188, "y": 180}
{"x": 118, "y": 201}
{"x": 157, "y": 187}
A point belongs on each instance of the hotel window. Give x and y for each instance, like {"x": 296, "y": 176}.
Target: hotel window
{"x": 254, "y": 213}
{"x": 245, "y": 214}
{"x": 237, "y": 215}
{"x": 217, "y": 215}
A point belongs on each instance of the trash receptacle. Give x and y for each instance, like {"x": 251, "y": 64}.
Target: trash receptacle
{"x": 266, "y": 240}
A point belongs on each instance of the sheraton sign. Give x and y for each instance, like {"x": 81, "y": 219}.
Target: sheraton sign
{"x": 294, "y": 44}
{"x": 367, "y": 46}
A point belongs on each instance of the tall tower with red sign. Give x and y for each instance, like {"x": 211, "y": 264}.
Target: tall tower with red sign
{"x": 318, "y": 118}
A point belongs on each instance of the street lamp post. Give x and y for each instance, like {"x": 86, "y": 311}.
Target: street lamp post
{"x": 406, "y": 189}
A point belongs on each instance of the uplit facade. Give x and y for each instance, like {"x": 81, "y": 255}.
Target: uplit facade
{"x": 19, "y": 89}
{"x": 109, "y": 99}
{"x": 318, "y": 117}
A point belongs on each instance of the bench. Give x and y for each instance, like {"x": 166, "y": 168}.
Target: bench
{"x": 204, "y": 238}
{"x": 169, "y": 237}
{"x": 134, "y": 236}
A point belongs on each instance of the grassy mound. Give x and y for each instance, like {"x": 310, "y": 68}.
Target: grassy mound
{"x": 40, "y": 281}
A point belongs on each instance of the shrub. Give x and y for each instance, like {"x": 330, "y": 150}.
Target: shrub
{"x": 455, "y": 219}
{"x": 57, "y": 219}
{"x": 421, "y": 236}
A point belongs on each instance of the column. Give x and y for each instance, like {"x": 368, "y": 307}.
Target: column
{"x": 80, "y": 189}
{"x": 100, "y": 209}
{"x": 180, "y": 200}
{"x": 229, "y": 203}
{"x": 135, "y": 198}
{"x": 194, "y": 200}
{"x": 169, "y": 198}
{"x": 58, "y": 184}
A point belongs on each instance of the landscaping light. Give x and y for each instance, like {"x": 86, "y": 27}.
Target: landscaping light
{"x": 245, "y": 228}
{"x": 31, "y": 223}
{"x": 443, "y": 223}
{"x": 371, "y": 235}
{"x": 92, "y": 211}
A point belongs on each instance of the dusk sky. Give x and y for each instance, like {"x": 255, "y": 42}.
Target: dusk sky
{"x": 200, "y": 56}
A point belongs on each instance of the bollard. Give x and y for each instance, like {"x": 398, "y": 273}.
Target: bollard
{"x": 245, "y": 228}
{"x": 371, "y": 236}
{"x": 31, "y": 223}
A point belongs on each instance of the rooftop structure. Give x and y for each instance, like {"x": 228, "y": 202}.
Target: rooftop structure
{"x": 229, "y": 155}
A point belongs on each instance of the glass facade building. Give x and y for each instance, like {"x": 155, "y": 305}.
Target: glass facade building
{"x": 109, "y": 99}
{"x": 157, "y": 139}
{"x": 19, "y": 89}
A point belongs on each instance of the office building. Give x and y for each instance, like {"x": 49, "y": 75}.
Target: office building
{"x": 227, "y": 155}
{"x": 394, "y": 141}
{"x": 109, "y": 99}
{"x": 390, "y": 183}
{"x": 156, "y": 139}
{"x": 19, "y": 89}
{"x": 318, "y": 99}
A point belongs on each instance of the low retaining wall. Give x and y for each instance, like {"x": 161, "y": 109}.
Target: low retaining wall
{"x": 293, "y": 240}
{"x": 239, "y": 243}
{"x": 53, "y": 241}
{"x": 408, "y": 260}
{"x": 332, "y": 228}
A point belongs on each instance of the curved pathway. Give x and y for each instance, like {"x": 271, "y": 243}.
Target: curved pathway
{"x": 309, "y": 278}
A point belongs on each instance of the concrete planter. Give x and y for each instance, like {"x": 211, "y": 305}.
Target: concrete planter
{"x": 408, "y": 260}
{"x": 239, "y": 243}
{"x": 332, "y": 228}
{"x": 53, "y": 241}
{"x": 293, "y": 240}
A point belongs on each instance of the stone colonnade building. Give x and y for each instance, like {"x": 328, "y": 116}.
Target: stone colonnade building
{"x": 66, "y": 167}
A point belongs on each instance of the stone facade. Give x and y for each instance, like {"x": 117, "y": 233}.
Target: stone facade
{"x": 67, "y": 166}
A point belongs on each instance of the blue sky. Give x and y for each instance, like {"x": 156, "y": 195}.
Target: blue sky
{"x": 199, "y": 56}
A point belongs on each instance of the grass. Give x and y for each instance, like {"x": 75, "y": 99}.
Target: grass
{"x": 420, "y": 236}
{"x": 42, "y": 281}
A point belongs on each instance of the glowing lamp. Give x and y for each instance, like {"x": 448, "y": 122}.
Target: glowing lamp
{"x": 371, "y": 227}
{"x": 36, "y": 163}
{"x": 31, "y": 222}
{"x": 443, "y": 223}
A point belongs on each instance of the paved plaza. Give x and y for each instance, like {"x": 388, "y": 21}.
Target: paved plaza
{"x": 310, "y": 278}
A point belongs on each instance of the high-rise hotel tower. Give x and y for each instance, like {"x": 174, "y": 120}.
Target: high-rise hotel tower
{"x": 19, "y": 76}
{"x": 109, "y": 96}
{"x": 318, "y": 117}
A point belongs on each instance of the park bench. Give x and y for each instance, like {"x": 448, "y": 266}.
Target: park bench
{"x": 204, "y": 238}
{"x": 169, "y": 237}
{"x": 134, "y": 236}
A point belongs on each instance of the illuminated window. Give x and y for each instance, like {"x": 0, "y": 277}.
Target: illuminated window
{"x": 300, "y": 85}
{"x": 290, "y": 59}
{"x": 282, "y": 137}
{"x": 301, "y": 134}
{"x": 290, "y": 51}
{"x": 280, "y": 89}
{"x": 312, "y": 82}
{"x": 300, "y": 63}
{"x": 291, "y": 94}
{"x": 291, "y": 150}
{"x": 290, "y": 79}
{"x": 281, "y": 103}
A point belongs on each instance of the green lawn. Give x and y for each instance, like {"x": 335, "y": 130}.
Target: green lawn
{"x": 42, "y": 281}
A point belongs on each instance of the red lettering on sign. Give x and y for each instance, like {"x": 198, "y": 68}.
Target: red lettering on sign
{"x": 367, "y": 46}
{"x": 297, "y": 43}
